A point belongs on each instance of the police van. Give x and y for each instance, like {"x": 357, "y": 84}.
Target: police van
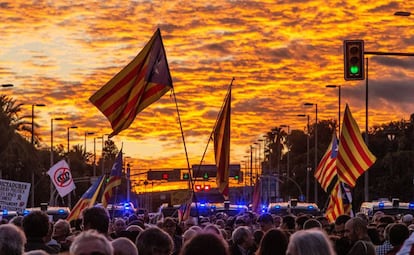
{"x": 394, "y": 207}
{"x": 293, "y": 207}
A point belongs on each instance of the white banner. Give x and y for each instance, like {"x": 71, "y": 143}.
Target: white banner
{"x": 62, "y": 178}
{"x": 13, "y": 195}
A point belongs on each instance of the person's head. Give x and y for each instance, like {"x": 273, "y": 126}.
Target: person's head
{"x": 191, "y": 221}
{"x": 90, "y": 241}
{"x": 124, "y": 246}
{"x": 61, "y": 230}
{"x": 339, "y": 227}
{"x": 96, "y": 218}
{"x": 274, "y": 242}
{"x": 398, "y": 234}
{"x": 243, "y": 236}
{"x": 170, "y": 226}
{"x": 188, "y": 234}
{"x": 356, "y": 229}
{"x": 119, "y": 225}
{"x": 266, "y": 222}
{"x": 310, "y": 242}
{"x": 17, "y": 220}
{"x": 288, "y": 222}
{"x": 407, "y": 219}
{"x": 12, "y": 240}
{"x": 154, "y": 241}
{"x": 277, "y": 220}
{"x": 205, "y": 244}
{"x": 36, "y": 224}
{"x": 300, "y": 220}
{"x": 312, "y": 223}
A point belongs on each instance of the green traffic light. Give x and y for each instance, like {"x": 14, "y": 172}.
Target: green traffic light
{"x": 236, "y": 177}
{"x": 205, "y": 176}
{"x": 354, "y": 69}
{"x": 186, "y": 176}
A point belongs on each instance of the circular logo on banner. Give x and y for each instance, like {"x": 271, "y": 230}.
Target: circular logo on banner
{"x": 63, "y": 177}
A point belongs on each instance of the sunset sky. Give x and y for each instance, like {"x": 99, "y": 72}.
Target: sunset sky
{"x": 281, "y": 53}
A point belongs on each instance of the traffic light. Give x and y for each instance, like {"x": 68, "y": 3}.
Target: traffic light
{"x": 165, "y": 176}
{"x": 354, "y": 60}
{"x": 186, "y": 176}
{"x": 205, "y": 176}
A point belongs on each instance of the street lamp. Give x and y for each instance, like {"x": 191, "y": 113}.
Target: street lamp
{"x": 316, "y": 149}
{"x": 51, "y": 200}
{"x": 288, "y": 153}
{"x": 86, "y": 134}
{"x": 339, "y": 105}
{"x": 32, "y": 142}
{"x": 308, "y": 168}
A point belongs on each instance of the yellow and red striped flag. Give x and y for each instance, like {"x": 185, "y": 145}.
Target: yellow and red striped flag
{"x": 335, "y": 206}
{"x": 326, "y": 171}
{"x": 114, "y": 179}
{"x": 354, "y": 157}
{"x": 142, "y": 82}
{"x": 222, "y": 147}
{"x": 87, "y": 200}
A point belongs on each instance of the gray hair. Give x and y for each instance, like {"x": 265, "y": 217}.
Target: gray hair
{"x": 239, "y": 234}
{"x": 310, "y": 242}
{"x": 85, "y": 238}
{"x": 12, "y": 239}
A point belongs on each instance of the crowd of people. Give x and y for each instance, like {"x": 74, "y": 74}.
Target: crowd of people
{"x": 245, "y": 234}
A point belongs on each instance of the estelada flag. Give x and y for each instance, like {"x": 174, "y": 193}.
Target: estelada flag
{"x": 142, "y": 82}
{"x": 114, "y": 179}
{"x": 87, "y": 200}
{"x": 326, "y": 171}
{"x": 61, "y": 177}
{"x": 354, "y": 157}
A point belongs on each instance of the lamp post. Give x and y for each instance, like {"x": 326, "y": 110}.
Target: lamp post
{"x": 339, "y": 105}
{"x": 103, "y": 154}
{"x": 316, "y": 149}
{"x": 51, "y": 158}
{"x": 86, "y": 134}
{"x": 288, "y": 153}
{"x": 32, "y": 142}
{"x": 69, "y": 195}
{"x": 308, "y": 168}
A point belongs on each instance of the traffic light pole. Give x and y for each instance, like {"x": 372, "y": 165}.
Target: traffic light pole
{"x": 366, "y": 176}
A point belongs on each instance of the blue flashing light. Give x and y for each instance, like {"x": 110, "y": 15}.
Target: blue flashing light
{"x": 127, "y": 205}
{"x": 5, "y": 212}
{"x": 411, "y": 205}
{"x": 310, "y": 207}
{"x": 277, "y": 207}
{"x": 381, "y": 204}
{"x": 61, "y": 211}
{"x": 263, "y": 210}
{"x": 26, "y": 212}
{"x": 239, "y": 206}
{"x": 202, "y": 204}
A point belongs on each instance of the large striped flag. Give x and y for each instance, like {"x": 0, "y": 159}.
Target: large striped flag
{"x": 326, "y": 171}
{"x": 142, "y": 82}
{"x": 87, "y": 200}
{"x": 114, "y": 179}
{"x": 221, "y": 137}
{"x": 354, "y": 157}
